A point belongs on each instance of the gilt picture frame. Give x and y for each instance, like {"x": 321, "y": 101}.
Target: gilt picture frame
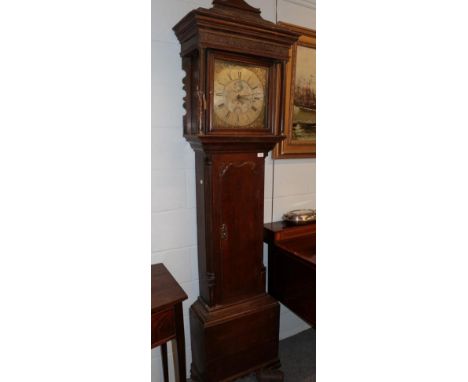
{"x": 300, "y": 99}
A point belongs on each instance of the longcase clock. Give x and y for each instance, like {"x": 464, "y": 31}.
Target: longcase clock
{"x": 235, "y": 64}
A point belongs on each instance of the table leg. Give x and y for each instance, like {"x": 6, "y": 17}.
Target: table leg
{"x": 164, "y": 362}
{"x": 178, "y": 346}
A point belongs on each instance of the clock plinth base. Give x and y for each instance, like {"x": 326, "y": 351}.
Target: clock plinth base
{"x": 232, "y": 341}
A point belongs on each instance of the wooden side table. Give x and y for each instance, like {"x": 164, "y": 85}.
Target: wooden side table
{"x": 167, "y": 319}
{"x": 292, "y": 267}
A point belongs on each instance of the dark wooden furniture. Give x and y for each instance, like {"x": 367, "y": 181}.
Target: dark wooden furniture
{"x": 292, "y": 266}
{"x": 167, "y": 320}
{"x": 234, "y": 324}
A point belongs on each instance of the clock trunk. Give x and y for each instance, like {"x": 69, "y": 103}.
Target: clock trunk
{"x": 234, "y": 324}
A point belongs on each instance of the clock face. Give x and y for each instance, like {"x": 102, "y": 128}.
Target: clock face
{"x": 239, "y": 95}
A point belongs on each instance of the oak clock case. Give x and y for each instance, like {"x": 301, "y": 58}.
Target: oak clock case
{"x": 235, "y": 65}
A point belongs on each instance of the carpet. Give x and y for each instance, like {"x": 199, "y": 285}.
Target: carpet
{"x": 297, "y": 355}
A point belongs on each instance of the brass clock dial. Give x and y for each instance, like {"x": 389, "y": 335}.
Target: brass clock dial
{"x": 239, "y": 98}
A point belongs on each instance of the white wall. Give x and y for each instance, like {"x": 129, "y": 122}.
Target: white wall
{"x": 173, "y": 218}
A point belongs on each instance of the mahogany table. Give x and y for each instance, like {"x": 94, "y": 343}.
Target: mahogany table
{"x": 292, "y": 267}
{"x": 167, "y": 320}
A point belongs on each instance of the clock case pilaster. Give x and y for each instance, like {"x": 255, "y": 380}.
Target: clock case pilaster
{"x": 234, "y": 323}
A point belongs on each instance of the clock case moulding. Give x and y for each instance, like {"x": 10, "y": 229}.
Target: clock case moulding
{"x": 234, "y": 323}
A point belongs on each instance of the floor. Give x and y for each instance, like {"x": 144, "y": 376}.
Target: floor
{"x": 297, "y": 355}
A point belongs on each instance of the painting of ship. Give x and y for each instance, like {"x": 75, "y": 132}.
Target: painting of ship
{"x": 303, "y": 126}
{"x": 300, "y": 100}
{"x": 304, "y": 93}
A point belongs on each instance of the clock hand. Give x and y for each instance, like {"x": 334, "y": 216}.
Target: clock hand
{"x": 240, "y": 98}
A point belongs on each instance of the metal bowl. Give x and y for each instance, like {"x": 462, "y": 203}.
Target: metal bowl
{"x": 298, "y": 217}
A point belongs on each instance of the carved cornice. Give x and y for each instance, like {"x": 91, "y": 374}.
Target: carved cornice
{"x": 202, "y": 20}
{"x": 237, "y": 42}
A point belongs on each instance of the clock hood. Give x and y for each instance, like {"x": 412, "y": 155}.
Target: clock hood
{"x": 248, "y": 31}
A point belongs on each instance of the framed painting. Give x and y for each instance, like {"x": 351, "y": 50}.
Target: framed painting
{"x": 300, "y": 110}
